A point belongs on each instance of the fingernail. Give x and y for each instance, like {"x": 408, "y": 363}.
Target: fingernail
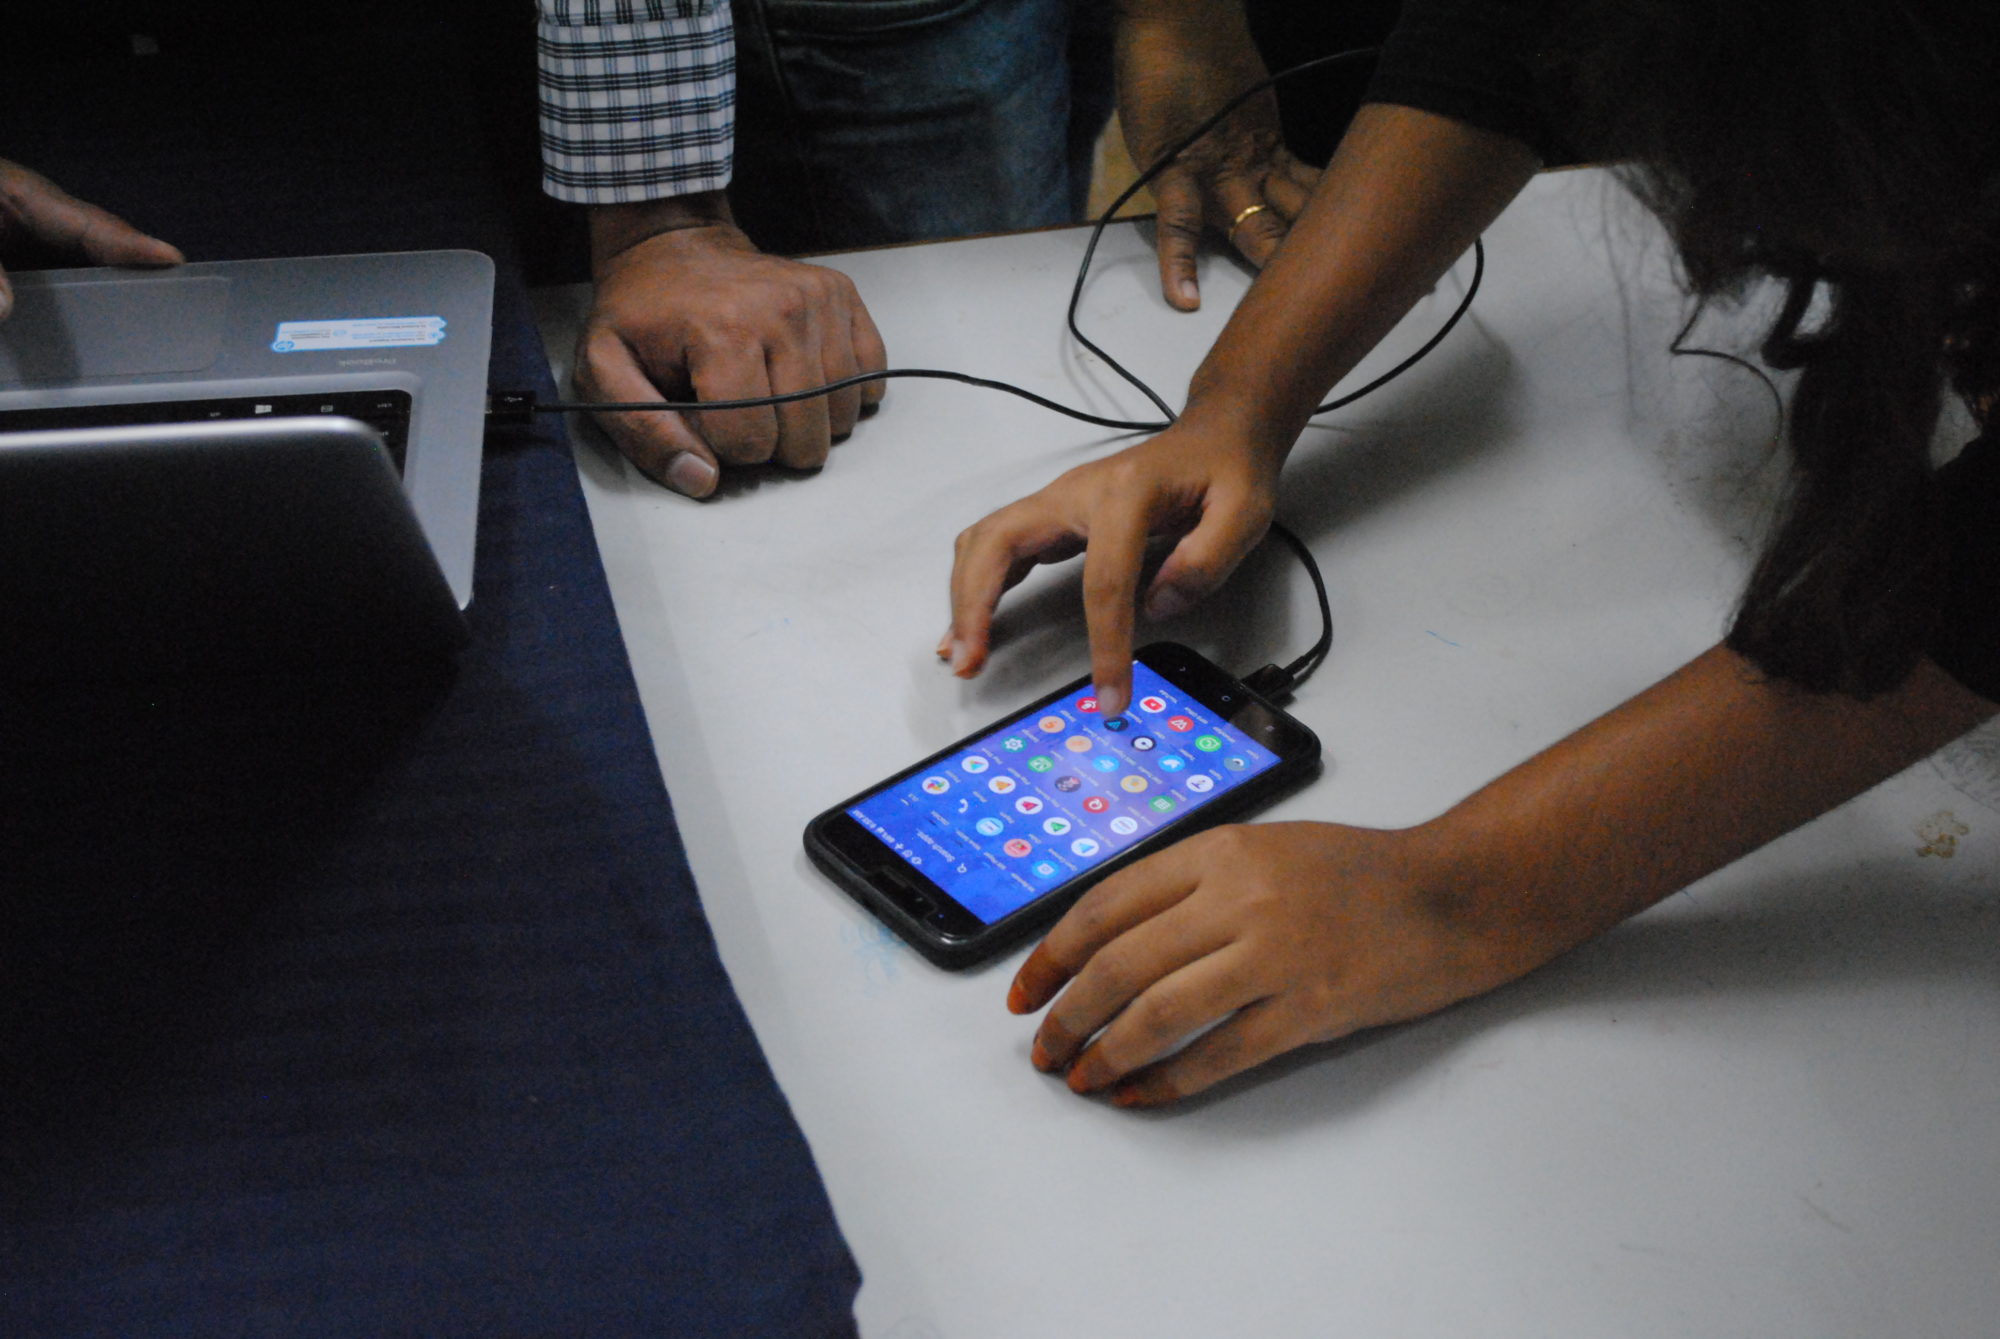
{"x": 690, "y": 474}
{"x": 1109, "y": 705}
{"x": 1017, "y": 1002}
{"x": 1166, "y": 602}
{"x": 1127, "y": 1094}
{"x": 1083, "y": 1076}
{"x": 961, "y": 657}
{"x": 1190, "y": 292}
{"x": 1039, "y": 1057}
{"x": 944, "y": 646}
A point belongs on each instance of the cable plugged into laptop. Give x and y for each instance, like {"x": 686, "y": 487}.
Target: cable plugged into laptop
{"x": 510, "y": 409}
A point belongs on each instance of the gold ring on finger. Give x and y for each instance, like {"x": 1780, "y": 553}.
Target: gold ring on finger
{"x": 1241, "y": 218}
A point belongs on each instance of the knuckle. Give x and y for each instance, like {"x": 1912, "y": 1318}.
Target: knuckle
{"x": 1180, "y": 227}
{"x": 1154, "y": 1017}
{"x": 1115, "y": 972}
{"x": 1085, "y": 923}
{"x": 738, "y": 444}
{"x": 807, "y": 454}
{"x": 729, "y": 333}
{"x": 1100, "y": 585}
{"x": 1318, "y": 1011}
{"x": 1228, "y": 846}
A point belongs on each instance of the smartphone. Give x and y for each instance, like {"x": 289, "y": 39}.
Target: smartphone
{"x": 987, "y": 841}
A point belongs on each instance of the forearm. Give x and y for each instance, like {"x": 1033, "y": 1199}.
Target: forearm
{"x": 1406, "y": 194}
{"x": 1695, "y": 772}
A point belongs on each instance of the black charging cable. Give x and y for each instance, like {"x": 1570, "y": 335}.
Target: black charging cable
{"x": 1273, "y": 682}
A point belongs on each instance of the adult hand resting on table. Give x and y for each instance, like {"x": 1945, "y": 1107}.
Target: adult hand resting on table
{"x": 685, "y": 304}
{"x": 35, "y": 209}
{"x": 1177, "y": 62}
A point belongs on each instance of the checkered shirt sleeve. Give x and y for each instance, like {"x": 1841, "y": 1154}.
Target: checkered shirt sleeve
{"x": 638, "y": 98}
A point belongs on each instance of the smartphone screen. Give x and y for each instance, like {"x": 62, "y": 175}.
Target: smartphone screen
{"x": 1058, "y": 791}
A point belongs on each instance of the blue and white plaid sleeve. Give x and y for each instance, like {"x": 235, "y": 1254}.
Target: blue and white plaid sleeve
{"x": 638, "y": 98}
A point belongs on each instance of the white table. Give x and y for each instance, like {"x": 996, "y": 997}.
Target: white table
{"x": 1765, "y": 1108}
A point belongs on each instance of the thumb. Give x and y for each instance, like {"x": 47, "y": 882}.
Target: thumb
{"x": 1178, "y": 200}
{"x": 1205, "y": 557}
{"x": 661, "y": 443}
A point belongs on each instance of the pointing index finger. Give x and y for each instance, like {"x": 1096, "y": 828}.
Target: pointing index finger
{"x": 1112, "y": 560}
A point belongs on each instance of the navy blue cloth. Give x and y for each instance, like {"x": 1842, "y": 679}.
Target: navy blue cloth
{"x": 371, "y": 1002}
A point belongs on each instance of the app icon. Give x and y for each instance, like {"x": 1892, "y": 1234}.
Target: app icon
{"x": 1162, "y": 802}
{"x": 1001, "y": 785}
{"x": 1017, "y": 848}
{"x": 1041, "y": 763}
{"x": 1201, "y": 783}
{"x": 1236, "y": 764}
{"x": 1015, "y": 745}
{"x": 1124, "y": 825}
{"x": 1084, "y": 846}
{"x": 1143, "y": 743}
{"x": 1180, "y": 725}
{"x": 1105, "y": 763}
{"x": 1029, "y": 804}
{"x": 989, "y": 827}
{"x": 1208, "y": 743}
{"x": 1172, "y": 762}
{"x": 1055, "y": 825}
{"x": 975, "y": 764}
{"x": 1152, "y": 706}
{"x": 1097, "y": 804}
{"x": 1077, "y": 743}
{"x": 936, "y": 785}
{"x": 1068, "y": 783}
{"x": 1086, "y": 704}
{"x": 1050, "y": 725}
{"x": 1118, "y": 725}
{"x": 1046, "y": 869}
{"x": 1134, "y": 783}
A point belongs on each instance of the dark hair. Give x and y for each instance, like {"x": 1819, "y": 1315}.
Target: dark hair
{"x": 1848, "y": 150}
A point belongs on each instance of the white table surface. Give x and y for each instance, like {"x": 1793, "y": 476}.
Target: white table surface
{"x": 1765, "y": 1108}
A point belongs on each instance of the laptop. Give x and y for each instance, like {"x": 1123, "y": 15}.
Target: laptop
{"x": 240, "y": 465}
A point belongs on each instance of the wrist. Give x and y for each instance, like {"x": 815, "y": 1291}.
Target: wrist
{"x": 1244, "y": 422}
{"x": 617, "y": 228}
{"x": 1512, "y": 911}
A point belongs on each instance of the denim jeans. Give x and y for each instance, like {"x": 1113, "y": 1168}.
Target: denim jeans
{"x": 862, "y": 122}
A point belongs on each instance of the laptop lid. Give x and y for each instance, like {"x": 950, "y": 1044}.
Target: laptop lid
{"x": 178, "y": 548}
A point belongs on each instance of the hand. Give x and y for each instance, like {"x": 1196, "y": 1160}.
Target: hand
{"x": 1176, "y": 64}
{"x": 1200, "y": 487}
{"x": 699, "y": 313}
{"x": 1279, "y": 935}
{"x": 35, "y": 209}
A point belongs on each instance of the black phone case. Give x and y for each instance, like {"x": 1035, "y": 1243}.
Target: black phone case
{"x": 956, "y": 953}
